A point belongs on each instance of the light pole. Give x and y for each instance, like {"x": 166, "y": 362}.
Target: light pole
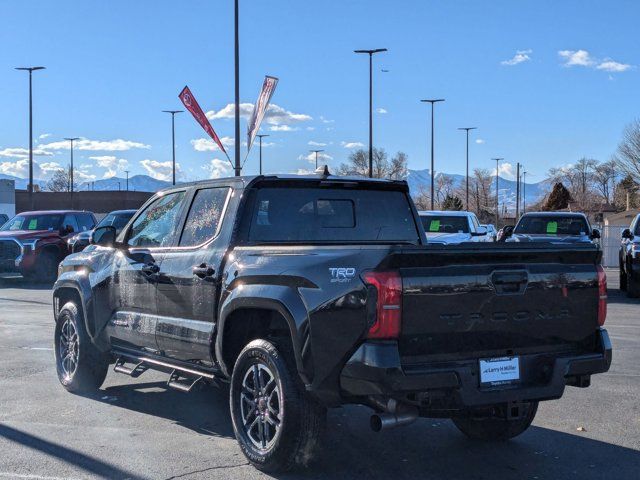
{"x": 71, "y": 140}
{"x": 467, "y": 184}
{"x": 371, "y": 53}
{"x": 173, "y": 138}
{"x": 517, "y": 191}
{"x": 432, "y": 102}
{"x": 497, "y": 160}
{"x": 524, "y": 192}
{"x": 238, "y": 166}
{"x": 260, "y": 137}
{"x": 30, "y": 186}
{"x": 127, "y": 172}
{"x": 316, "y": 152}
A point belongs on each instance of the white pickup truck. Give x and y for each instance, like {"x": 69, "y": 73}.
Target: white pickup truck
{"x": 450, "y": 227}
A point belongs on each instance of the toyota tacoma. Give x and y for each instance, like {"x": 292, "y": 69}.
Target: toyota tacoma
{"x": 305, "y": 293}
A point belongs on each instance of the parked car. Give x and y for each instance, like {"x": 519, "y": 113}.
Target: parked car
{"x": 451, "y": 227}
{"x": 492, "y": 233}
{"x": 312, "y": 292}
{"x": 117, "y": 218}
{"x": 630, "y": 259}
{"x": 33, "y": 243}
{"x": 554, "y": 227}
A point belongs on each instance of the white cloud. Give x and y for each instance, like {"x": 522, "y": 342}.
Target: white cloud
{"x": 159, "y": 170}
{"x": 283, "y": 128}
{"x": 95, "y": 145}
{"x": 352, "y": 144}
{"x": 43, "y": 136}
{"x": 311, "y": 157}
{"x": 218, "y": 168}
{"x": 580, "y": 58}
{"x": 208, "y": 145}
{"x": 326, "y": 120}
{"x": 609, "y": 65}
{"x": 583, "y": 58}
{"x": 311, "y": 129}
{"x": 480, "y": 141}
{"x": 520, "y": 57}
{"x": 112, "y": 163}
{"x": 275, "y": 114}
{"x": 317, "y": 144}
{"x": 506, "y": 170}
{"x": 381, "y": 110}
{"x": 23, "y": 152}
{"x": 20, "y": 168}
{"x": 303, "y": 171}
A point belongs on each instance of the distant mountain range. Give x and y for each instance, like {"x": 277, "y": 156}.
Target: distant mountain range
{"x": 139, "y": 183}
{"x": 420, "y": 180}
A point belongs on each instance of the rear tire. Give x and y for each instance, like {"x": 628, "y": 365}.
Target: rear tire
{"x": 80, "y": 366}
{"x": 276, "y": 424}
{"x": 623, "y": 278}
{"x": 496, "y": 429}
{"x": 633, "y": 289}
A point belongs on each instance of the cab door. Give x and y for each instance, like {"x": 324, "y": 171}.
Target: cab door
{"x": 188, "y": 281}
{"x": 135, "y": 276}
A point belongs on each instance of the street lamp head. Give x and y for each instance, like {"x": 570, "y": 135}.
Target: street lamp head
{"x": 432, "y": 101}
{"x": 316, "y": 151}
{"x": 30, "y": 69}
{"x": 262, "y": 135}
{"x": 173, "y": 112}
{"x": 468, "y": 128}
{"x": 72, "y": 139}
{"x": 371, "y": 52}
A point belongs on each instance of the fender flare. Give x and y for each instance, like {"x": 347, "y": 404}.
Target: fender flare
{"x": 281, "y": 299}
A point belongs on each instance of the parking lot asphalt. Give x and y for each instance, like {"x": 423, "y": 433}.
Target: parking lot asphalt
{"x": 138, "y": 429}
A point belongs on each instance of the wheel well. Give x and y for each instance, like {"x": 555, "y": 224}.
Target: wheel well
{"x": 246, "y": 324}
{"x": 64, "y": 295}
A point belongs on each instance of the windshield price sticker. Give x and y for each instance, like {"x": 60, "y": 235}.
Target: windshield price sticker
{"x": 499, "y": 371}
{"x": 552, "y": 227}
{"x": 434, "y": 226}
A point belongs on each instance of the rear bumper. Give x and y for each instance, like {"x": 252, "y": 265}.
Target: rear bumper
{"x": 375, "y": 369}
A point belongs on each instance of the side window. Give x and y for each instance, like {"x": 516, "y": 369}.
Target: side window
{"x": 205, "y": 216}
{"x": 85, "y": 221}
{"x": 69, "y": 223}
{"x": 474, "y": 221}
{"x": 155, "y": 226}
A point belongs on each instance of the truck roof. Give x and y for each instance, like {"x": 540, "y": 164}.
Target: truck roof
{"x": 555, "y": 214}
{"x": 53, "y": 212}
{"x": 246, "y": 180}
{"x": 449, "y": 213}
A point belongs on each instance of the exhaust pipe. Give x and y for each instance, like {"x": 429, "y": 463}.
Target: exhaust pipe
{"x": 396, "y": 415}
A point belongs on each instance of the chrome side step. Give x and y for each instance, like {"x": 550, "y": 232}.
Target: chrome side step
{"x": 182, "y": 383}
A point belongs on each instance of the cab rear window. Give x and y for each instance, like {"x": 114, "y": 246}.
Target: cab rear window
{"x": 556, "y": 225}
{"x": 291, "y": 215}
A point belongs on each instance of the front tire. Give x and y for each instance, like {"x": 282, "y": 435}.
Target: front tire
{"x": 80, "y": 366}
{"x": 276, "y": 424}
{"x": 496, "y": 429}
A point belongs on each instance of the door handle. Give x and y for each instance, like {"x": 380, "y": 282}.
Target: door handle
{"x": 150, "y": 268}
{"x": 203, "y": 270}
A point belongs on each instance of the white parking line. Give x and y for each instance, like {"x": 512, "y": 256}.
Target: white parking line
{"x": 34, "y": 477}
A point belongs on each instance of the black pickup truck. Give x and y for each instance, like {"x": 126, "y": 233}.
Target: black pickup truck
{"x": 311, "y": 292}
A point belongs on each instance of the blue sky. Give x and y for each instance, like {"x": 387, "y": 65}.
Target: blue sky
{"x": 113, "y": 66}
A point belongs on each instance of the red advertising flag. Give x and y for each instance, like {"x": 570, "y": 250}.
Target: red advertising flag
{"x": 260, "y": 108}
{"x": 191, "y": 104}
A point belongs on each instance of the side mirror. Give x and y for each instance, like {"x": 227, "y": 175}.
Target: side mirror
{"x": 595, "y": 233}
{"x": 507, "y": 231}
{"x": 626, "y": 233}
{"x": 480, "y": 231}
{"x": 104, "y": 236}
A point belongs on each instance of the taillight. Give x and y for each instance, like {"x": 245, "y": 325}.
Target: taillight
{"x": 388, "y": 304}
{"x": 602, "y": 295}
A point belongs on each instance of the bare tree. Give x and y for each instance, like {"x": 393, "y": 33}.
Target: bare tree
{"x": 628, "y": 155}
{"x": 604, "y": 179}
{"x": 61, "y": 181}
{"x": 443, "y": 187}
{"x": 358, "y": 164}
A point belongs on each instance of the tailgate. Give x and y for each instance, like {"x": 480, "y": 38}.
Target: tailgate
{"x": 467, "y": 301}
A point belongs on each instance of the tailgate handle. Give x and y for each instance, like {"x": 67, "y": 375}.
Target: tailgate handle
{"x": 510, "y": 282}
